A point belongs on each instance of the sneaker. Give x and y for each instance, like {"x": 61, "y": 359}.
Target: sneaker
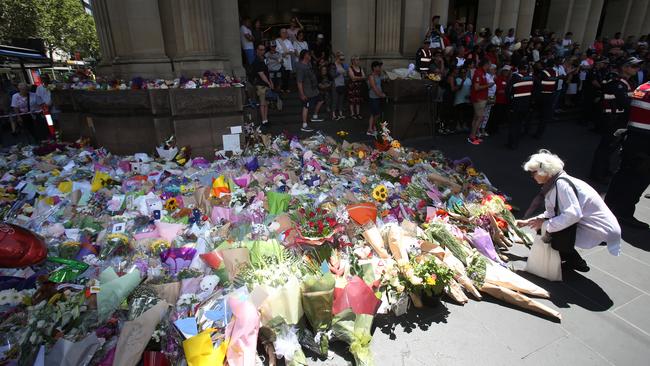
{"x": 305, "y": 128}
{"x": 265, "y": 122}
{"x": 315, "y": 118}
{"x": 371, "y": 133}
{"x": 473, "y": 141}
{"x": 633, "y": 222}
{"x": 339, "y": 117}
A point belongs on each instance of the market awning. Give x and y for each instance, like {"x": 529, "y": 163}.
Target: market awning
{"x": 22, "y": 53}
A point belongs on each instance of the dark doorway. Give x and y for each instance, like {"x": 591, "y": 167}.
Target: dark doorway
{"x": 540, "y": 16}
{"x": 603, "y": 12}
{"x": 464, "y": 11}
{"x": 315, "y": 16}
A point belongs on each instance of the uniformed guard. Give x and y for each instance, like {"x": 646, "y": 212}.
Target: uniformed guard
{"x": 592, "y": 91}
{"x": 633, "y": 176}
{"x": 547, "y": 87}
{"x": 519, "y": 93}
{"x": 614, "y": 115}
{"x": 423, "y": 58}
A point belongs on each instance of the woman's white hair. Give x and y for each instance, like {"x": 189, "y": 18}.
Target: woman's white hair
{"x": 544, "y": 163}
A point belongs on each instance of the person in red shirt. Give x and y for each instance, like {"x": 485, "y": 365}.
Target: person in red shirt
{"x": 500, "y": 108}
{"x": 478, "y": 97}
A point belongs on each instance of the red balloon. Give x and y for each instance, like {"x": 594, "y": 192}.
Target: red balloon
{"x": 20, "y": 247}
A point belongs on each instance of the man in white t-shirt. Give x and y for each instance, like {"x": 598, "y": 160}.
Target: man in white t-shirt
{"x": 247, "y": 40}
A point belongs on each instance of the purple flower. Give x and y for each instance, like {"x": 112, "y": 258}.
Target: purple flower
{"x": 177, "y": 259}
{"x": 252, "y": 165}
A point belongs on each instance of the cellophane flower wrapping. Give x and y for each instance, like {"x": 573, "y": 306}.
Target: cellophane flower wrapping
{"x": 354, "y": 329}
{"x": 482, "y": 241}
{"x": 317, "y": 300}
{"x": 113, "y": 290}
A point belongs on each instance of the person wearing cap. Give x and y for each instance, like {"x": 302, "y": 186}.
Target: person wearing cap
{"x": 375, "y": 96}
{"x": 320, "y": 49}
{"x": 633, "y": 175}
{"x": 519, "y": 93}
{"x": 546, "y": 87}
{"x": 308, "y": 90}
{"x": 423, "y": 58}
{"x": 615, "y": 107}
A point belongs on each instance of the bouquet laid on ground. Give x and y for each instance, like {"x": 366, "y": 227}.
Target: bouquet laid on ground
{"x": 285, "y": 248}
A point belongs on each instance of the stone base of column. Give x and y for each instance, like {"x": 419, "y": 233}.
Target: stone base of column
{"x": 153, "y": 68}
{"x": 195, "y": 67}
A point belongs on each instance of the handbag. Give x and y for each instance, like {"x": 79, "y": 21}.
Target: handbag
{"x": 544, "y": 261}
{"x": 564, "y": 239}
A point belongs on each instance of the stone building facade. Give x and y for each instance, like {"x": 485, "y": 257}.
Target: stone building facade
{"x": 166, "y": 38}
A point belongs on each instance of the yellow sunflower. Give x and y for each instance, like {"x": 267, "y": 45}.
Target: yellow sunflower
{"x": 171, "y": 204}
{"x": 395, "y": 144}
{"x": 380, "y": 193}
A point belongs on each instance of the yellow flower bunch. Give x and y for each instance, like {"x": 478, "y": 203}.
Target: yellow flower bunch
{"x": 380, "y": 193}
{"x": 119, "y": 237}
{"x": 395, "y": 144}
{"x": 431, "y": 281}
{"x": 472, "y": 172}
{"x": 171, "y": 204}
{"x": 342, "y": 133}
{"x": 157, "y": 246}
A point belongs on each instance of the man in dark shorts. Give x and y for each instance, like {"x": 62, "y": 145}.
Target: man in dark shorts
{"x": 262, "y": 81}
{"x": 308, "y": 90}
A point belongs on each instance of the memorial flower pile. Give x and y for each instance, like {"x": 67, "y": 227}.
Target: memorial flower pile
{"x": 273, "y": 253}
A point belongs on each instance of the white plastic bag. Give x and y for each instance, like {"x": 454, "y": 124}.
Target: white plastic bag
{"x": 544, "y": 261}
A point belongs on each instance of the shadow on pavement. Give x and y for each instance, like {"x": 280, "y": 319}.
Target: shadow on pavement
{"x": 574, "y": 289}
{"x": 414, "y": 318}
{"x": 639, "y": 238}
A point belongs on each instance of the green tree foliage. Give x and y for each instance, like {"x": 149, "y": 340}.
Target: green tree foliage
{"x": 62, "y": 24}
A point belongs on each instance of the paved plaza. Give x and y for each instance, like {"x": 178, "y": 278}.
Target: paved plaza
{"x": 605, "y": 311}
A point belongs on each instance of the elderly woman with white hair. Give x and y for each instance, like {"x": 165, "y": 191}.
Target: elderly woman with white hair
{"x": 575, "y": 215}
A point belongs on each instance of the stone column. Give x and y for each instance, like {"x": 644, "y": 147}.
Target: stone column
{"x": 525, "y": 18}
{"x": 645, "y": 27}
{"x": 440, "y": 7}
{"x": 636, "y": 17}
{"x": 509, "y": 14}
{"x": 617, "y": 13}
{"x": 488, "y": 15}
{"x": 226, "y": 24}
{"x": 415, "y": 25}
{"x": 191, "y": 36}
{"x": 104, "y": 33}
{"x": 559, "y": 15}
{"x": 388, "y": 28}
{"x": 353, "y": 24}
{"x": 587, "y": 34}
{"x": 138, "y": 39}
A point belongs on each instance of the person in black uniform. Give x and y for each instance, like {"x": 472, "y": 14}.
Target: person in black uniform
{"x": 592, "y": 91}
{"x": 546, "y": 88}
{"x": 633, "y": 176}
{"x": 423, "y": 59}
{"x": 615, "y": 107}
{"x": 519, "y": 93}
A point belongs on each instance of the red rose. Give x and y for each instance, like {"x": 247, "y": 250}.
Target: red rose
{"x": 320, "y": 226}
{"x": 311, "y": 224}
{"x": 312, "y": 214}
{"x": 330, "y": 221}
{"x": 405, "y": 180}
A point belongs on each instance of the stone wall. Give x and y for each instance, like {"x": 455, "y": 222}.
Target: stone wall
{"x": 130, "y": 121}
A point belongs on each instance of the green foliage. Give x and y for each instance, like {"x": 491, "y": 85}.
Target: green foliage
{"x": 62, "y": 24}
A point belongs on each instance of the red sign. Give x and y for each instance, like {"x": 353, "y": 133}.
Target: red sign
{"x": 36, "y": 77}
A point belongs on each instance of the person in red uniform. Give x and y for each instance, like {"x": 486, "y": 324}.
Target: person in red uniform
{"x": 478, "y": 97}
{"x": 547, "y": 87}
{"x": 500, "y": 109}
{"x": 633, "y": 175}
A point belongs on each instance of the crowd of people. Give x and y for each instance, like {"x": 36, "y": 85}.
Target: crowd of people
{"x": 488, "y": 80}
{"x": 323, "y": 78}
{"x": 491, "y": 78}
